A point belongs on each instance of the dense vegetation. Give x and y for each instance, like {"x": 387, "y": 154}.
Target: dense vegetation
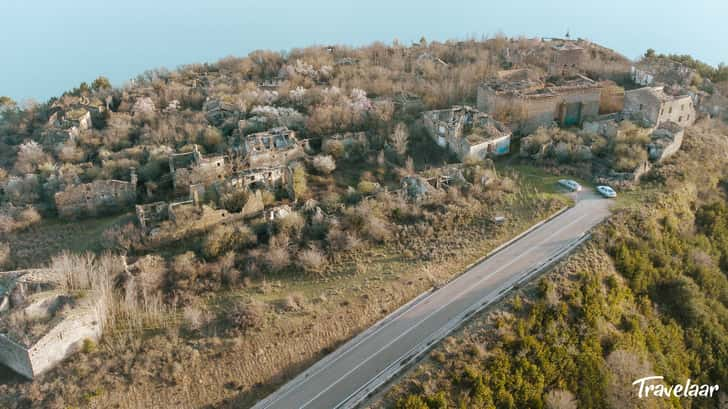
{"x": 649, "y": 295}
{"x": 715, "y": 74}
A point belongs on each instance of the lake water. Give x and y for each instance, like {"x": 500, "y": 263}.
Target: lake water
{"x": 52, "y": 46}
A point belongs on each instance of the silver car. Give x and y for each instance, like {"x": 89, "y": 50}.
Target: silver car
{"x": 606, "y": 191}
{"x": 570, "y": 184}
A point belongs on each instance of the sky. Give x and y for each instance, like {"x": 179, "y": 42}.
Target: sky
{"x": 50, "y": 46}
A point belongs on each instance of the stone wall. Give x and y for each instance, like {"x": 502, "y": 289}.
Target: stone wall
{"x": 679, "y": 110}
{"x": 97, "y": 197}
{"x": 15, "y": 356}
{"x": 66, "y": 338}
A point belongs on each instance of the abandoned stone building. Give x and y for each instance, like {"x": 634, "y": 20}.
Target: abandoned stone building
{"x": 274, "y": 147}
{"x": 221, "y": 110}
{"x": 41, "y": 324}
{"x": 468, "y": 132}
{"x": 79, "y": 118}
{"x": 661, "y": 71}
{"x": 266, "y": 178}
{"x": 150, "y": 215}
{"x": 566, "y": 56}
{"x": 191, "y": 168}
{"x": 97, "y": 197}
{"x": 519, "y": 97}
{"x": 655, "y": 105}
{"x": 665, "y": 141}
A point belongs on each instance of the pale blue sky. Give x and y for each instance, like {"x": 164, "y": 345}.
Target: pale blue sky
{"x": 49, "y": 46}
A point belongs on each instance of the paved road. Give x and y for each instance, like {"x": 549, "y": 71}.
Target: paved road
{"x": 346, "y": 376}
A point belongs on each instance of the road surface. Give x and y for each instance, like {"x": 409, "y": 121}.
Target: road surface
{"x": 346, "y": 376}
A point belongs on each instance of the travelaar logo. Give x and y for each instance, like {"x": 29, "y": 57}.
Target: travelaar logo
{"x": 688, "y": 390}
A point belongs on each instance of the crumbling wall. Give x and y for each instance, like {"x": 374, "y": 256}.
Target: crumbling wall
{"x": 641, "y": 104}
{"x": 679, "y": 110}
{"x": 65, "y": 338}
{"x": 15, "y": 356}
{"x": 97, "y": 197}
{"x": 203, "y": 171}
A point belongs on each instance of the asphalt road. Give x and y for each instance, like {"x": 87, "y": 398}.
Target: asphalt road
{"x": 346, "y": 376}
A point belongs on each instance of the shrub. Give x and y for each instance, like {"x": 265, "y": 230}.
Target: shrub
{"x": 246, "y": 316}
{"x": 225, "y": 238}
{"x": 300, "y": 186}
{"x": 151, "y": 271}
{"x": 290, "y": 224}
{"x": 324, "y": 164}
{"x": 88, "y": 346}
{"x": 125, "y": 237}
{"x": 312, "y": 261}
{"x": 334, "y": 148}
{"x": 366, "y": 187}
{"x": 277, "y": 257}
{"x": 378, "y": 229}
{"x": 4, "y": 254}
{"x": 185, "y": 269}
{"x": 195, "y": 318}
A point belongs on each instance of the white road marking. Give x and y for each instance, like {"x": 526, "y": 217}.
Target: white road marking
{"x": 341, "y": 354}
{"x": 460, "y": 294}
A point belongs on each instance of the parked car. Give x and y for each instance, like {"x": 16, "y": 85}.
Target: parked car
{"x": 606, "y": 191}
{"x": 570, "y": 184}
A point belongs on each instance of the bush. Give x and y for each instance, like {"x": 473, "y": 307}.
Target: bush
{"x": 224, "y": 238}
{"x": 312, "y": 261}
{"x": 300, "y": 185}
{"x": 246, "y": 316}
{"x": 4, "y": 255}
{"x": 291, "y": 224}
{"x": 324, "y": 164}
{"x": 366, "y": 187}
{"x": 334, "y": 148}
{"x": 88, "y": 346}
{"x": 277, "y": 257}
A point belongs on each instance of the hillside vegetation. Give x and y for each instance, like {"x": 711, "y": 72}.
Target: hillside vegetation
{"x": 647, "y": 296}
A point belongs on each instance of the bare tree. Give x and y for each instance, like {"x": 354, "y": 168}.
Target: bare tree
{"x": 560, "y": 399}
{"x": 399, "y": 138}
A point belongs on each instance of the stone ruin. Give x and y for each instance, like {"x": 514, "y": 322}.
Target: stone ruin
{"x": 468, "y": 132}
{"x": 97, "y": 197}
{"x": 191, "y": 168}
{"x": 41, "y": 323}
{"x": 275, "y": 147}
{"x": 520, "y": 97}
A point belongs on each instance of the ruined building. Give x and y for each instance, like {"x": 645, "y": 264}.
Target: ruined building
{"x": 565, "y": 58}
{"x": 665, "y": 141}
{"x": 275, "y": 147}
{"x": 40, "y": 324}
{"x": 191, "y": 168}
{"x": 655, "y": 105}
{"x": 268, "y": 178}
{"x": 521, "y": 98}
{"x": 97, "y": 197}
{"x": 467, "y": 132}
{"x": 661, "y": 71}
{"x": 219, "y": 110}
